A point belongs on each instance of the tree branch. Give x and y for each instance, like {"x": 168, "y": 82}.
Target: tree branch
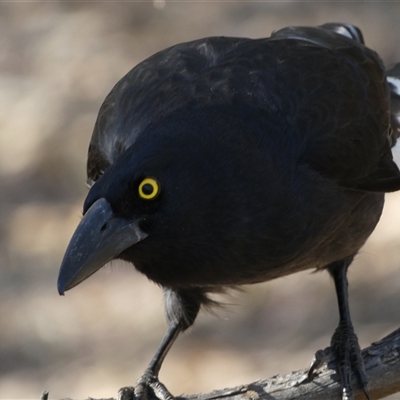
{"x": 382, "y": 362}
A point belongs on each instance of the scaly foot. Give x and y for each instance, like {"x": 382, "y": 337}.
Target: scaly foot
{"x": 348, "y": 357}
{"x": 347, "y": 354}
{"x": 147, "y": 387}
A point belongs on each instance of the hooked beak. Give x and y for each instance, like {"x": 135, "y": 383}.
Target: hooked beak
{"x": 99, "y": 238}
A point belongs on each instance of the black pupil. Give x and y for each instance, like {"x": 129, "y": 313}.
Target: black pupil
{"x": 147, "y": 188}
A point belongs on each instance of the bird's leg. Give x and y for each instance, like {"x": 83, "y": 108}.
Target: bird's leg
{"x": 181, "y": 308}
{"x": 344, "y": 342}
{"x": 167, "y": 342}
{"x": 150, "y": 377}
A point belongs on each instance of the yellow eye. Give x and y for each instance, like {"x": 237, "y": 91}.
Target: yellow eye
{"x": 149, "y": 189}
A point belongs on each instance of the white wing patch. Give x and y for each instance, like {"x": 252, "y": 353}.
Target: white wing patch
{"x": 395, "y": 82}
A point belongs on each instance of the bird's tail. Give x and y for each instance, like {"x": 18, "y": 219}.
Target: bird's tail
{"x": 347, "y": 30}
{"x": 392, "y": 74}
{"x": 393, "y": 79}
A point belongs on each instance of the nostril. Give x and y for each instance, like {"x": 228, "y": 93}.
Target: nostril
{"x": 104, "y": 227}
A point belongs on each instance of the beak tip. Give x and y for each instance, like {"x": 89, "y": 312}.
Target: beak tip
{"x": 63, "y": 284}
{"x": 60, "y": 288}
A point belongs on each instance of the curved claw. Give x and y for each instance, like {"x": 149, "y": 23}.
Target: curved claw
{"x": 126, "y": 393}
{"x": 346, "y": 351}
{"x": 349, "y": 359}
{"x": 318, "y": 360}
{"x": 148, "y": 382}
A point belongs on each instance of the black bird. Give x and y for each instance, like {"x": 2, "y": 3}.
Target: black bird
{"x": 228, "y": 161}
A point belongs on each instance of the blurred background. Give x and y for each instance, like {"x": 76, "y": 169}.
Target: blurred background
{"x": 58, "y": 61}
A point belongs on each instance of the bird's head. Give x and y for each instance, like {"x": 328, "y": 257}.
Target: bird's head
{"x": 187, "y": 189}
{"x": 145, "y": 189}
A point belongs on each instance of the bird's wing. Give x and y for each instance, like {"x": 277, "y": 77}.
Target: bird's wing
{"x": 346, "y": 117}
{"x": 329, "y": 90}
{"x": 170, "y": 79}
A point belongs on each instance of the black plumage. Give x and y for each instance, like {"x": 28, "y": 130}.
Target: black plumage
{"x": 226, "y": 161}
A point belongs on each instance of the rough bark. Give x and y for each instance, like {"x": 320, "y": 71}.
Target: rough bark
{"x": 382, "y": 362}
